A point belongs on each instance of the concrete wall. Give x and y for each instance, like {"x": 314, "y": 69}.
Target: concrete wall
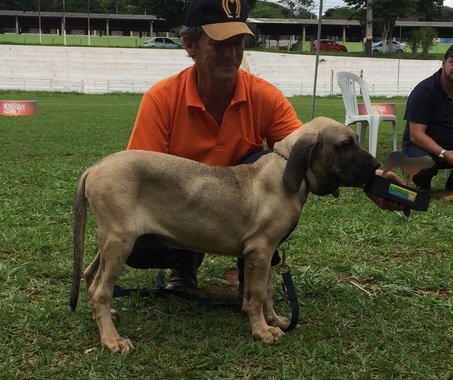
{"x": 101, "y": 70}
{"x": 295, "y": 74}
{"x": 87, "y": 70}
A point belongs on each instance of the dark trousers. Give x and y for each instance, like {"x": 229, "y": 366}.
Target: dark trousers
{"x": 149, "y": 253}
{"x": 423, "y": 177}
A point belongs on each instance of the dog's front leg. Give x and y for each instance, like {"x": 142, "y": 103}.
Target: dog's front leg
{"x": 256, "y": 293}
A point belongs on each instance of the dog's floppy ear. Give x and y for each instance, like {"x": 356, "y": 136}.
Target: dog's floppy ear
{"x": 299, "y": 161}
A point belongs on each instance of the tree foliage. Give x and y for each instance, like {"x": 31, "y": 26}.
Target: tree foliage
{"x": 427, "y": 36}
{"x": 173, "y": 11}
{"x": 298, "y": 8}
{"x": 265, "y": 9}
{"x": 446, "y": 14}
{"x": 429, "y": 10}
{"x": 339, "y": 13}
{"x": 386, "y": 12}
{"x": 422, "y": 38}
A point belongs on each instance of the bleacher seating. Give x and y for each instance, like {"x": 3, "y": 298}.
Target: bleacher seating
{"x": 88, "y": 70}
{"x": 294, "y": 73}
{"x": 100, "y": 70}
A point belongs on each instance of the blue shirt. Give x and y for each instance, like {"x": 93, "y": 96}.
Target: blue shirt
{"x": 429, "y": 104}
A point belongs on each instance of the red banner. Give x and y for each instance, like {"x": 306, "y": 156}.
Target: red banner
{"x": 18, "y": 107}
{"x": 379, "y": 109}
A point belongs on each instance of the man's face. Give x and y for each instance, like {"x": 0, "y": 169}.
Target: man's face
{"x": 219, "y": 60}
{"x": 447, "y": 69}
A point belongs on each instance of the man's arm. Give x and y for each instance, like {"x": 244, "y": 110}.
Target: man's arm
{"x": 423, "y": 141}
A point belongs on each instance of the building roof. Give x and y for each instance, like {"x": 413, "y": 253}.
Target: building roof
{"x": 335, "y": 27}
{"x": 143, "y": 23}
{"x": 52, "y": 20}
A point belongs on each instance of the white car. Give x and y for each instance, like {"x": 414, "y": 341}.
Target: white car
{"x": 392, "y": 47}
{"x": 162, "y": 42}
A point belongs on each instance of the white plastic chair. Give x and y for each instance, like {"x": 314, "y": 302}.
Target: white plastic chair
{"x": 348, "y": 84}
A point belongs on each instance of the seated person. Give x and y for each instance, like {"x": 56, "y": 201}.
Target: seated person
{"x": 429, "y": 127}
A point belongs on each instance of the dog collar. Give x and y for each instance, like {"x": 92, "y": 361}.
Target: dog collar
{"x": 279, "y": 154}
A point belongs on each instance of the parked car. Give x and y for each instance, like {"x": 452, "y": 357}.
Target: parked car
{"x": 393, "y": 47}
{"x": 329, "y": 45}
{"x": 162, "y": 42}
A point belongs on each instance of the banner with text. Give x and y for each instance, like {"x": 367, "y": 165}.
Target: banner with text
{"x": 18, "y": 107}
{"x": 378, "y": 109}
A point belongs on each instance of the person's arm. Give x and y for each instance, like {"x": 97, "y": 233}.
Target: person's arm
{"x": 422, "y": 140}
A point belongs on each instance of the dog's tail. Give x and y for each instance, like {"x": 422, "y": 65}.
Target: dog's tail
{"x": 80, "y": 216}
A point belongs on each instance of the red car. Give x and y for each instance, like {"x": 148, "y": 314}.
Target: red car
{"x": 329, "y": 45}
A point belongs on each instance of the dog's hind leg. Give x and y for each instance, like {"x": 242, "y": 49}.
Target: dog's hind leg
{"x": 91, "y": 271}
{"x": 108, "y": 265}
{"x": 272, "y": 318}
{"x": 256, "y": 293}
{"x": 89, "y": 275}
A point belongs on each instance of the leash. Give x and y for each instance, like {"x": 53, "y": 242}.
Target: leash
{"x": 159, "y": 290}
{"x": 289, "y": 289}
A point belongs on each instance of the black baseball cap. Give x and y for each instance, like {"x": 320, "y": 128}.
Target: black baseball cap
{"x": 449, "y": 52}
{"x": 220, "y": 19}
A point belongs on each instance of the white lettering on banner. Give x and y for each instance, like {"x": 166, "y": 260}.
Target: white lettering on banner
{"x": 13, "y": 107}
{"x": 379, "y": 109}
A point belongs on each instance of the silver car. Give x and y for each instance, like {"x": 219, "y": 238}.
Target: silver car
{"x": 162, "y": 42}
{"x": 392, "y": 47}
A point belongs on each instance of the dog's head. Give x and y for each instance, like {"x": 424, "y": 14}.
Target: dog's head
{"x": 327, "y": 155}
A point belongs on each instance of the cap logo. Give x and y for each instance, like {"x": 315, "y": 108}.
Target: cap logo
{"x": 227, "y": 6}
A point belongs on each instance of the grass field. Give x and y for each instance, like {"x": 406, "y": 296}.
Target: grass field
{"x": 375, "y": 288}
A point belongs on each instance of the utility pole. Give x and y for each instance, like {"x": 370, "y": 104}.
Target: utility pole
{"x": 64, "y": 23}
{"x": 318, "y": 39}
{"x": 39, "y": 17}
{"x": 89, "y": 26}
{"x": 369, "y": 29}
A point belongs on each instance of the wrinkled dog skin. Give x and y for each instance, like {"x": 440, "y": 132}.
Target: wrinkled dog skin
{"x": 242, "y": 211}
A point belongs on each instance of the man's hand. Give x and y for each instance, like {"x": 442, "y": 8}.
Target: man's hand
{"x": 390, "y": 205}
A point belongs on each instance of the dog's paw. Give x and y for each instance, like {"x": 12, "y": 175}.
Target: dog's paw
{"x": 268, "y": 334}
{"x": 278, "y": 321}
{"x": 281, "y": 322}
{"x": 120, "y": 345}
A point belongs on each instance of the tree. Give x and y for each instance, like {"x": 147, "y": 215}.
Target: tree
{"x": 429, "y": 10}
{"x": 385, "y": 14}
{"x": 427, "y": 35}
{"x": 265, "y": 9}
{"x": 17, "y": 5}
{"x": 298, "y": 8}
{"x": 446, "y": 14}
{"x": 423, "y": 37}
{"x": 339, "y": 13}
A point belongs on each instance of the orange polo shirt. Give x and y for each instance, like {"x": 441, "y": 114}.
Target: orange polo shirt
{"x": 172, "y": 119}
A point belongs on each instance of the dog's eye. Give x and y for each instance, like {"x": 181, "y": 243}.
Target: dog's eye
{"x": 347, "y": 143}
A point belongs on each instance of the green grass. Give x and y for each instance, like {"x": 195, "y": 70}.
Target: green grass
{"x": 72, "y": 40}
{"x": 375, "y": 288}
